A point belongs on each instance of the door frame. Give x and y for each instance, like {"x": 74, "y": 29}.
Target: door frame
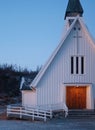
{"x": 76, "y": 97}
{"x": 89, "y": 93}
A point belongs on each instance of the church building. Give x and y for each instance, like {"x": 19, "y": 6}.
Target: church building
{"x": 69, "y": 74}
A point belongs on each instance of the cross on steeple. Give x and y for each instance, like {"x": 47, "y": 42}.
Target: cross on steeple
{"x": 74, "y": 8}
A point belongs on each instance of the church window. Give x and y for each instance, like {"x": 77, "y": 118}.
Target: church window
{"x": 82, "y": 65}
{"x": 72, "y": 65}
{"x": 74, "y": 28}
{"x": 79, "y": 29}
{"x": 77, "y": 65}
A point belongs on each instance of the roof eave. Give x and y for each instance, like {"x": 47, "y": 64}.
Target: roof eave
{"x": 42, "y": 71}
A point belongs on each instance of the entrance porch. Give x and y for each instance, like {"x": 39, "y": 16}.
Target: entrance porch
{"x": 78, "y": 96}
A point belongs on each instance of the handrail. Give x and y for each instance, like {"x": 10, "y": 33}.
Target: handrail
{"x": 53, "y": 107}
{"x": 57, "y": 106}
{"x": 41, "y": 111}
{"x": 28, "y": 111}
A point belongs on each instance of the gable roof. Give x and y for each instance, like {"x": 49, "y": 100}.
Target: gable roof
{"x": 25, "y": 84}
{"x": 45, "y": 67}
{"x": 74, "y": 8}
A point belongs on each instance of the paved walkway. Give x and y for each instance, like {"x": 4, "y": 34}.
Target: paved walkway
{"x": 55, "y": 124}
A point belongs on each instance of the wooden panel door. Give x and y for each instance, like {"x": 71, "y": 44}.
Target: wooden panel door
{"x": 76, "y": 97}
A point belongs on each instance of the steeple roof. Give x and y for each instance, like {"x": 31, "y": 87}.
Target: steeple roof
{"x": 74, "y": 8}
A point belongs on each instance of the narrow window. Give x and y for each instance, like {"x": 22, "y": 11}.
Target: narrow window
{"x": 79, "y": 29}
{"x": 72, "y": 65}
{"x": 82, "y": 65}
{"x": 77, "y": 65}
{"x": 74, "y": 28}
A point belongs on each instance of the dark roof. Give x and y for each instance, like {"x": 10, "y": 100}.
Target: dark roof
{"x": 74, "y": 8}
{"x": 25, "y": 85}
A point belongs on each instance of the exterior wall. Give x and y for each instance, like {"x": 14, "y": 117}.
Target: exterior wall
{"x": 28, "y": 98}
{"x": 49, "y": 89}
{"x": 90, "y": 98}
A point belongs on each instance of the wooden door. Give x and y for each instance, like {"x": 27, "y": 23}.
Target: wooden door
{"x": 76, "y": 97}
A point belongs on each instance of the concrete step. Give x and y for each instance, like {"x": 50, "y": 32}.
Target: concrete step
{"x": 81, "y": 114}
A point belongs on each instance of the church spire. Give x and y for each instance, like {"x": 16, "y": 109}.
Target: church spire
{"x": 74, "y": 8}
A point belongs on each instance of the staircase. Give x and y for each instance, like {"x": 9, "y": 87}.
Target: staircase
{"x": 81, "y": 114}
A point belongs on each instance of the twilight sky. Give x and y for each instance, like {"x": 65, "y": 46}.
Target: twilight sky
{"x": 30, "y": 30}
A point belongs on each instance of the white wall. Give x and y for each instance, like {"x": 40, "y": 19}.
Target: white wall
{"x": 49, "y": 90}
{"x": 90, "y": 101}
{"x": 28, "y": 98}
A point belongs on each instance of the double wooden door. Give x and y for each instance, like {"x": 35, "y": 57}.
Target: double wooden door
{"x": 76, "y": 97}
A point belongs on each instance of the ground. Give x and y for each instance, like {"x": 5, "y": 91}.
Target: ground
{"x": 54, "y": 124}
{"x": 58, "y": 124}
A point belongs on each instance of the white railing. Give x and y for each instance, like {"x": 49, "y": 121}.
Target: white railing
{"x": 53, "y": 107}
{"x": 29, "y": 112}
{"x": 36, "y": 112}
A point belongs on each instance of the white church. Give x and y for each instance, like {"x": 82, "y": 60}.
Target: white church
{"x": 69, "y": 74}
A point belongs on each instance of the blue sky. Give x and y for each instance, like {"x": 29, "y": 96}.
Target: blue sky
{"x": 30, "y": 30}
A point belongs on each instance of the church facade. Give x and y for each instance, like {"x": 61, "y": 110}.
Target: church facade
{"x": 69, "y": 74}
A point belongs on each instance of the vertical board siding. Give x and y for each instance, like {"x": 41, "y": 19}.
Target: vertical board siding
{"x": 29, "y": 98}
{"x": 49, "y": 89}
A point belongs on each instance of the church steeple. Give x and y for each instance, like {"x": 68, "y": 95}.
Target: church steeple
{"x": 74, "y": 8}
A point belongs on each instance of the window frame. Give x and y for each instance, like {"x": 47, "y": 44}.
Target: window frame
{"x": 77, "y": 65}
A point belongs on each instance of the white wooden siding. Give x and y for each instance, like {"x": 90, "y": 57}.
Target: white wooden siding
{"x": 50, "y": 86}
{"x": 29, "y": 98}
